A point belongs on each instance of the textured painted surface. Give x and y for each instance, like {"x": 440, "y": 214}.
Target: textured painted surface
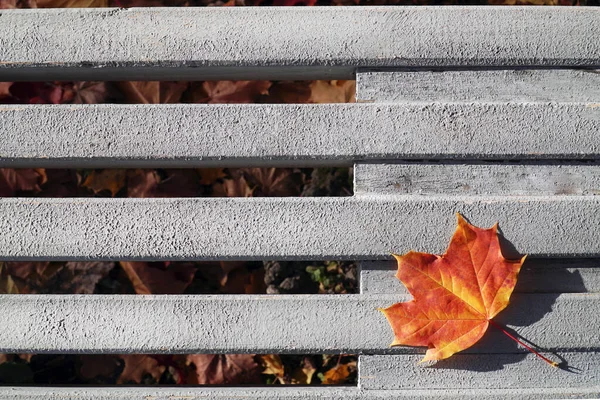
{"x": 288, "y": 393}
{"x": 467, "y": 86}
{"x": 251, "y": 134}
{"x": 365, "y": 227}
{"x": 196, "y": 43}
{"x": 263, "y": 324}
{"x": 536, "y": 276}
{"x": 464, "y": 371}
{"x": 477, "y": 179}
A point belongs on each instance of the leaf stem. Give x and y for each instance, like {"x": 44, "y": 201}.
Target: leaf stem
{"x": 500, "y": 327}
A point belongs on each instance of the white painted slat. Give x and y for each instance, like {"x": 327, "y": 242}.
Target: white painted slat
{"x": 465, "y": 371}
{"x": 279, "y": 43}
{"x": 477, "y": 179}
{"x": 264, "y": 324}
{"x": 286, "y": 393}
{"x": 364, "y": 227}
{"x": 536, "y": 276}
{"x": 508, "y": 85}
{"x": 259, "y": 134}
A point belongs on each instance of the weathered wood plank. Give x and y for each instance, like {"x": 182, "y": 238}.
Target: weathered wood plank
{"x": 286, "y": 393}
{"x": 465, "y": 371}
{"x": 508, "y": 85}
{"x": 279, "y": 43}
{"x": 252, "y": 134}
{"x": 477, "y": 179}
{"x": 263, "y": 324}
{"x": 364, "y": 227}
{"x": 537, "y": 275}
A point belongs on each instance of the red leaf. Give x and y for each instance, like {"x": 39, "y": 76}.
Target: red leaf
{"x": 455, "y": 295}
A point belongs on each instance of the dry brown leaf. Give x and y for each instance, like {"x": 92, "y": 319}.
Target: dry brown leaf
{"x": 271, "y": 181}
{"x": 290, "y": 92}
{"x": 272, "y": 365}
{"x": 210, "y": 176}
{"x": 303, "y": 374}
{"x": 81, "y": 277}
{"x": 4, "y": 86}
{"x": 7, "y": 284}
{"x": 237, "y": 187}
{"x": 71, "y": 3}
{"x": 159, "y": 277}
{"x": 213, "y": 92}
{"x": 338, "y": 374}
{"x": 332, "y": 92}
{"x": 142, "y": 183}
{"x": 112, "y": 180}
{"x": 152, "y": 92}
{"x": 221, "y": 369}
{"x": 138, "y": 365}
{"x": 6, "y": 4}
{"x": 57, "y": 277}
{"x": 85, "y": 93}
{"x": 17, "y": 180}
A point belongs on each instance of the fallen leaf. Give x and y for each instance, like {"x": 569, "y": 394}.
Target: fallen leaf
{"x": 81, "y": 277}
{"x": 85, "y": 93}
{"x": 235, "y": 187}
{"x": 220, "y": 369}
{"x": 111, "y": 180}
{"x": 287, "y": 92}
{"x": 13, "y": 181}
{"x": 138, "y": 365}
{"x": 36, "y": 93}
{"x": 159, "y": 277}
{"x": 213, "y": 92}
{"x": 455, "y": 295}
{"x": 4, "y": 86}
{"x": 152, "y": 92}
{"x": 304, "y": 373}
{"x": 209, "y": 176}
{"x": 57, "y": 277}
{"x": 71, "y": 3}
{"x": 142, "y": 183}
{"x": 338, "y": 374}
{"x": 7, "y": 284}
{"x": 272, "y": 365}
{"x": 271, "y": 182}
{"x": 332, "y": 92}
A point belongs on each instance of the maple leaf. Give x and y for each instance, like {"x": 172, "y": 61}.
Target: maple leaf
{"x": 455, "y": 295}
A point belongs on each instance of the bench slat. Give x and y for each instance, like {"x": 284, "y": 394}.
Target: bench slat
{"x": 464, "y": 371}
{"x": 297, "y": 324}
{"x": 274, "y": 43}
{"x": 477, "y": 179}
{"x": 364, "y": 227}
{"x": 244, "y": 135}
{"x": 537, "y": 276}
{"x": 476, "y": 85}
{"x": 286, "y": 393}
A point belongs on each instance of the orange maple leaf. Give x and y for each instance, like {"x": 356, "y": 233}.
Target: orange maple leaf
{"x": 455, "y": 295}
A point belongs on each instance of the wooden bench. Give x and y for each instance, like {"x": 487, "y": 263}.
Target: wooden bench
{"x": 493, "y": 112}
